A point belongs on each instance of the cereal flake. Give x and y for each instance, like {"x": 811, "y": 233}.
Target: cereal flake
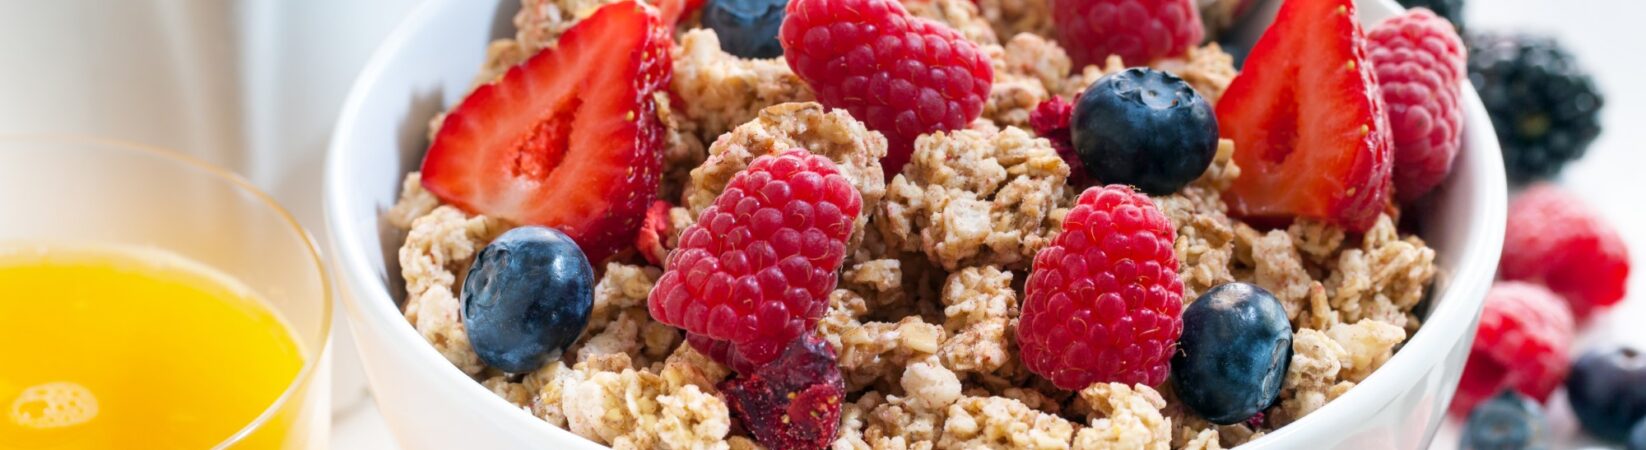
{"x": 1130, "y": 418}
{"x": 968, "y": 198}
{"x": 438, "y": 249}
{"x": 1003, "y": 423}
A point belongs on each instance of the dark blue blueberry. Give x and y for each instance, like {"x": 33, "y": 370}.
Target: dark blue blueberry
{"x": 527, "y": 298}
{"x": 747, "y": 28}
{"x": 1234, "y": 352}
{"x": 1507, "y": 421}
{"x": 1145, "y": 128}
{"x": 1607, "y": 388}
{"x": 1637, "y": 437}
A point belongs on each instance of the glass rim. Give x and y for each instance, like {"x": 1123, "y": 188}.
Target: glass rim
{"x": 234, "y": 181}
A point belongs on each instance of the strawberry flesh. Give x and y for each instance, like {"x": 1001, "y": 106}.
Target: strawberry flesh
{"x": 1311, "y": 135}
{"x": 569, "y": 138}
{"x": 655, "y": 232}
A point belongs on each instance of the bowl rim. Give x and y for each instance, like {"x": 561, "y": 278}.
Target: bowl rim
{"x": 1448, "y": 322}
{"x": 1451, "y": 321}
{"x": 380, "y": 307}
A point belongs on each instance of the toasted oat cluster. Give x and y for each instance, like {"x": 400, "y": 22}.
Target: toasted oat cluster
{"x": 925, "y": 316}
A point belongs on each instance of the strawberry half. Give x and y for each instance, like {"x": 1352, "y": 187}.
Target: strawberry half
{"x": 569, "y": 138}
{"x": 1311, "y": 136}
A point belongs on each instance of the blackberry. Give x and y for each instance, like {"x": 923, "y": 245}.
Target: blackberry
{"x": 1452, "y": 10}
{"x": 1546, "y": 108}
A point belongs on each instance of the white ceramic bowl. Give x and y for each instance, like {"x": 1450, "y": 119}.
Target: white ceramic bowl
{"x": 429, "y": 61}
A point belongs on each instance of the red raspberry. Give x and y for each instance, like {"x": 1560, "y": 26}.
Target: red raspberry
{"x": 1050, "y": 120}
{"x": 901, "y": 75}
{"x": 793, "y": 402}
{"x": 757, "y": 267}
{"x": 1553, "y": 238}
{"x": 1521, "y": 344}
{"x": 653, "y": 241}
{"x": 1140, "y": 31}
{"x": 1419, "y": 61}
{"x": 720, "y": 351}
{"x": 1103, "y": 303}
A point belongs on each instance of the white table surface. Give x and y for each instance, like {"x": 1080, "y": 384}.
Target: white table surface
{"x": 314, "y": 47}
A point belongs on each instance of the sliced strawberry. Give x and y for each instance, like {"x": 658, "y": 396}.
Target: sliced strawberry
{"x": 1311, "y": 136}
{"x": 567, "y": 139}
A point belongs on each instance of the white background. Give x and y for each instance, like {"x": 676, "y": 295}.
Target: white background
{"x": 1607, "y": 36}
{"x": 179, "y": 74}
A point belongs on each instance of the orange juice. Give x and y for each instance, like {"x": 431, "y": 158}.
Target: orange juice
{"x": 132, "y": 349}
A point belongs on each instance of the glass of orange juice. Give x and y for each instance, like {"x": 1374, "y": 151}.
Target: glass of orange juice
{"x": 148, "y": 300}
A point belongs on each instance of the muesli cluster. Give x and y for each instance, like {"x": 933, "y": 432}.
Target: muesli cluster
{"x": 916, "y": 225}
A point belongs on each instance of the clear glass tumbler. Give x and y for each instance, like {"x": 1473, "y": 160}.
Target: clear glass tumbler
{"x": 101, "y": 193}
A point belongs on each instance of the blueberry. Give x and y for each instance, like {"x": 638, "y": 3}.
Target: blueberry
{"x": 1507, "y": 421}
{"x": 747, "y": 28}
{"x": 1637, "y": 436}
{"x": 1233, "y": 354}
{"x": 1607, "y": 388}
{"x": 527, "y": 298}
{"x": 1146, "y": 128}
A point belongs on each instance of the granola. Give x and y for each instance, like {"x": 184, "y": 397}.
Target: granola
{"x": 924, "y": 317}
{"x": 606, "y": 400}
{"x": 1010, "y": 17}
{"x": 1384, "y": 278}
{"x": 439, "y": 246}
{"x": 877, "y": 351}
{"x": 981, "y": 309}
{"x": 904, "y": 422}
{"x": 539, "y": 23}
{"x": 720, "y": 91}
{"x": 961, "y": 15}
{"x": 618, "y": 321}
{"x": 971, "y": 198}
{"x": 1131, "y": 418}
{"x": 1205, "y": 233}
{"x": 1208, "y": 68}
{"x": 1314, "y": 378}
{"x": 1003, "y": 423}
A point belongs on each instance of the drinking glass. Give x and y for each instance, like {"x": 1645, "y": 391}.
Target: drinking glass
{"x": 96, "y": 193}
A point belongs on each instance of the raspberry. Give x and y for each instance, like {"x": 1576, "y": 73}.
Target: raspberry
{"x": 1555, "y": 239}
{"x": 1419, "y": 61}
{"x": 720, "y": 351}
{"x": 1140, "y": 31}
{"x": 653, "y": 241}
{"x": 793, "y": 402}
{"x": 1050, "y": 120}
{"x": 1104, "y": 303}
{"x": 1521, "y": 344}
{"x": 901, "y": 75}
{"x": 757, "y": 267}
